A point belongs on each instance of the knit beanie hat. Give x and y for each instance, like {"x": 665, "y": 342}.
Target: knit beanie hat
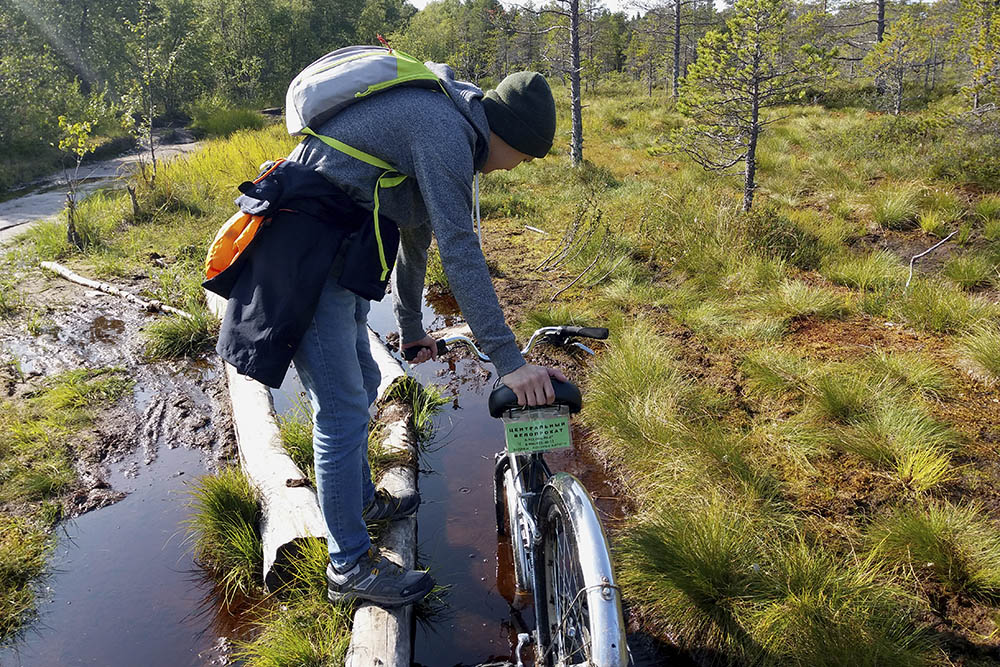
{"x": 521, "y": 110}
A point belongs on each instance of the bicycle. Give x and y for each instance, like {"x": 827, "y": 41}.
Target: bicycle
{"x": 560, "y": 552}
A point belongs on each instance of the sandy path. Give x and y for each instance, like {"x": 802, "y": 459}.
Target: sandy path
{"x": 50, "y": 196}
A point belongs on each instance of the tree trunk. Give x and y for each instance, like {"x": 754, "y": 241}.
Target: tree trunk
{"x": 576, "y": 142}
{"x": 880, "y": 21}
{"x": 677, "y": 48}
{"x": 749, "y": 185}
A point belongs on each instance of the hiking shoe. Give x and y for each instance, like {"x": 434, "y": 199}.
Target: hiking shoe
{"x": 387, "y": 507}
{"x": 379, "y": 580}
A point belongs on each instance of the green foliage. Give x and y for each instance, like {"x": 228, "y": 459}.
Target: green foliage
{"x": 772, "y": 234}
{"x": 740, "y": 73}
{"x": 296, "y": 429}
{"x": 435, "y": 276}
{"x": 905, "y": 45}
{"x": 941, "y": 308}
{"x": 896, "y": 207}
{"x": 987, "y": 208}
{"x": 37, "y": 437}
{"x": 970, "y": 272}
{"x": 723, "y": 575}
{"x": 306, "y": 632}
{"x": 224, "y": 525}
{"x": 11, "y": 300}
{"x": 218, "y": 119}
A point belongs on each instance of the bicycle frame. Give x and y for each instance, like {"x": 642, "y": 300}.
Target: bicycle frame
{"x": 530, "y": 478}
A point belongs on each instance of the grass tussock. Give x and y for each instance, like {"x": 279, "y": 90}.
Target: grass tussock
{"x": 940, "y": 308}
{"x": 896, "y": 207}
{"x": 177, "y": 336}
{"x": 224, "y": 530}
{"x": 305, "y": 632}
{"x": 11, "y": 300}
{"x": 955, "y": 545}
{"x": 970, "y": 272}
{"x": 37, "y": 433}
{"x": 876, "y": 270}
{"x": 982, "y": 348}
{"x": 722, "y": 576}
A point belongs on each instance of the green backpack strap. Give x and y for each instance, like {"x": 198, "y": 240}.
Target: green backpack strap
{"x": 390, "y": 178}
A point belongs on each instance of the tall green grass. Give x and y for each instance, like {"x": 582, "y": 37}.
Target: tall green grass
{"x": 225, "y": 533}
{"x": 23, "y": 547}
{"x": 723, "y": 577}
{"x": 877, "y": 270}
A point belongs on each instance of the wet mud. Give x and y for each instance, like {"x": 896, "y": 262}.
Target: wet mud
{"x": 122, "y": 587}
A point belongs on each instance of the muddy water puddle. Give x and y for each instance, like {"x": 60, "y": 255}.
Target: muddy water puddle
{"x": 123, "y": 588}
{"x": 457, "y": 540}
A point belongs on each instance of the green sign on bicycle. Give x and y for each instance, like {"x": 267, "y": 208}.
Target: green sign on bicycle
{"x": 537, "y": 435}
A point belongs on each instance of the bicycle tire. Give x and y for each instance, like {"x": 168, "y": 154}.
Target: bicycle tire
{"x": 518, "y": 533}
{"x": 581, "y": 616}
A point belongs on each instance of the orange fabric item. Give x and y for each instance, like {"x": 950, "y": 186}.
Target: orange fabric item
{"x": 233, "y": 237}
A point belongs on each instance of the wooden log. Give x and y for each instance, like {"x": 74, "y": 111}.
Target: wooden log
{"x": 290, "y": 513}
{"x": 152, "y": 306}
{"x": 384, "y": 636}
{"x": 380, "y": 637}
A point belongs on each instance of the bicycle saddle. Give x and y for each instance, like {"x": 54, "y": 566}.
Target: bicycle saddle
{"x": 503, "y": 398}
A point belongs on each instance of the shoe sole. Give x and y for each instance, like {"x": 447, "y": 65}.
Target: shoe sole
{"x": 389, "y": 603}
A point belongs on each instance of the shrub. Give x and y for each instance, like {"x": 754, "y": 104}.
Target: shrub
{"x": 797, "y": 299}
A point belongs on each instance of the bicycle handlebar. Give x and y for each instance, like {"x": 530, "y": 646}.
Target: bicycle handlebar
{"x": 559, "y": 335}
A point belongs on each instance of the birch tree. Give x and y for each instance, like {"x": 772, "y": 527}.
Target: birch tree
{"x": 740, "y": 74}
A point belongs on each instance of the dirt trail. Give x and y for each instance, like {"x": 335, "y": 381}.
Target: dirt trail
{"x": 47, "y": 197}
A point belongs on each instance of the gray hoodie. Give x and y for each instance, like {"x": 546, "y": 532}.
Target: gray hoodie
{"x": 439, "y": 143}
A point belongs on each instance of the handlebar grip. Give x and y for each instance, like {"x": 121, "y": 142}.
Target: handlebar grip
{"x": 587, "y": 332}
{"x": 410, "y": 353}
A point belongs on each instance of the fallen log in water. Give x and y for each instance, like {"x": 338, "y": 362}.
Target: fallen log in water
{"x": 290, "y": 510}
{"x": 291, "y": 513}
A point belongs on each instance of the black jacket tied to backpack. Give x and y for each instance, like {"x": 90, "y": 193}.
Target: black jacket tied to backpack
{"x": 274, "y": 285}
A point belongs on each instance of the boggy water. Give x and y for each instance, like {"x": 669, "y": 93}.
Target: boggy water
{"x": 123, "y": 588}
{"x": 458, "y": 540}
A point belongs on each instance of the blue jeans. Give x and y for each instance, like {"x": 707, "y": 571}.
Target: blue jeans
{"x": 341, "y": 379}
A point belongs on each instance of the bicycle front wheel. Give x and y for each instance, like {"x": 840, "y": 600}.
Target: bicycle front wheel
{"x": 581, "y": 614}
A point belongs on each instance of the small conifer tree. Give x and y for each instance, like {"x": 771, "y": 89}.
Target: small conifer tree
{"x": 741, "y": 72}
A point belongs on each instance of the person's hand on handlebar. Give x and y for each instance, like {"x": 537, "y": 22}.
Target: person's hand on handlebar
{"x": 531, "y": 384}
{"x": 428, "y": 349}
